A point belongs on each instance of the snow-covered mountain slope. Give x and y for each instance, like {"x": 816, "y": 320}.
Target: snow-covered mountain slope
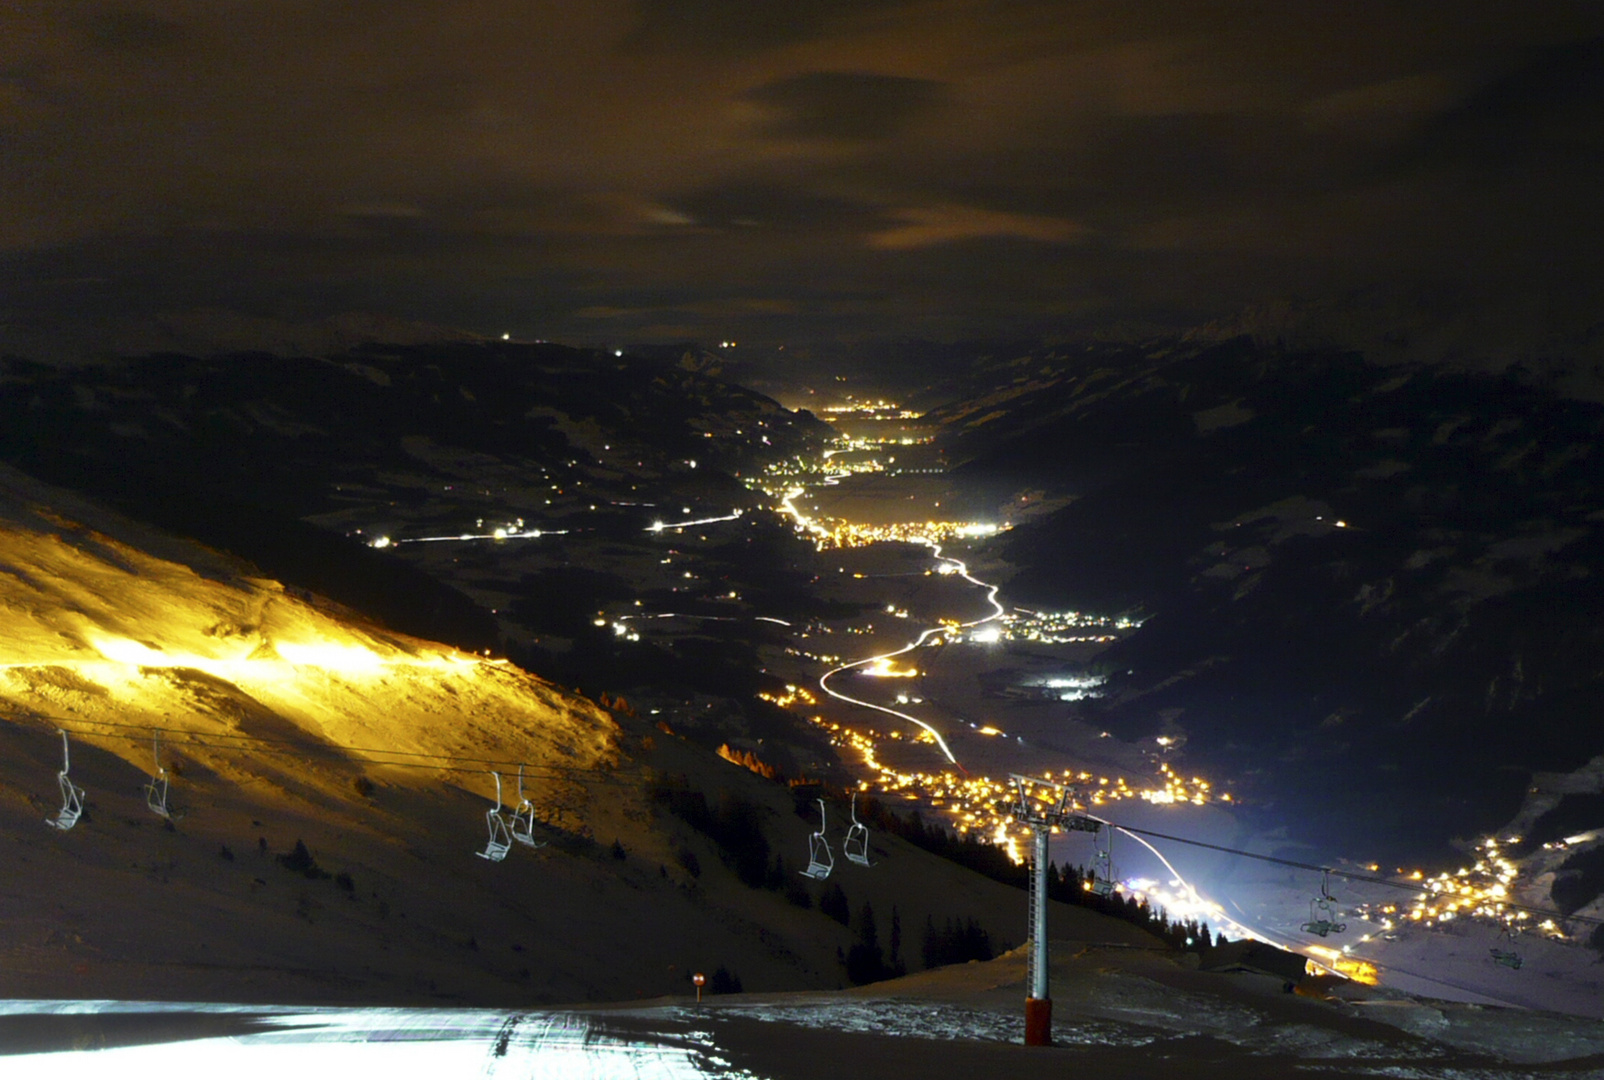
{"x": 204, "y": 649}
{"x": 328, "y": 781}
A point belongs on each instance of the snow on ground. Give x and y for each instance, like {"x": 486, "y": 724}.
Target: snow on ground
{"x": 1117, "y": 1012}
{"x": 109, "y": 641}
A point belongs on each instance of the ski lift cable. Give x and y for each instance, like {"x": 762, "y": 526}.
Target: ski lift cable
{"x": 327, "y": 751}
{"x": 334, "y": 751}
{"x": 1337, "y": 871}
{"x": 308, "y": 744}
{"x": 450, "y": 763}
{"x": 337, "y": 753}
{"x": 303, "y": 744}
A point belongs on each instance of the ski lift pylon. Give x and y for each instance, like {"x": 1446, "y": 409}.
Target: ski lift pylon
{"x": 856, "y": 846}
{"x": 72, "y": 796}
{"x": 500, "y": 841}
{"x": 156, "y": 790}
{"x": 523, "y": 818}
{"x": 1322, "y": 911}
{"x": 820, "y": 860}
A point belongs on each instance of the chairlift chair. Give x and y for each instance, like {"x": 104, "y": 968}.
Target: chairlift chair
{"x": 156, "y": 790}
{"x": 72, "y": 796}
{"x": 523, "y": 818}
{"x": 500, "y": 841}
{"x": 856, "y": 846}
{"x": 1322, "y": 911}
{"x": 820, "y": 860}
{"x": 1103, "y": 863}
{"x": 1506, "y": 957}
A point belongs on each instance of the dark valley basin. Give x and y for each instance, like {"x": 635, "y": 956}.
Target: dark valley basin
{"x": 1371, "y": 593}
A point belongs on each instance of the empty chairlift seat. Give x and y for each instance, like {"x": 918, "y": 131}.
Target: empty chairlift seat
{"x": 1103, "y": 864}
{"x": 1323, "y": 912}
{"x": 856, "y": 846}
{"x": 500, "y": 841}
{"x": 72, "y": 796}
{"x": 156, "y": 792}
{"x": 820, "y": 860}
{"x": 523, "y": 818}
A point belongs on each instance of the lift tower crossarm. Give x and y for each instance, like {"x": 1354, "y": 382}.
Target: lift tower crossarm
{"x": 1044, "y": 805}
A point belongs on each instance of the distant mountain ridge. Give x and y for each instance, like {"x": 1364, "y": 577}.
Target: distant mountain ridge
{"x": 276, "y": 458}
{"x": 220, "y": 331}
{"x": 1373, "y": 590}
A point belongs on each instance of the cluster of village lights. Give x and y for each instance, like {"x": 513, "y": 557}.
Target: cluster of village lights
{"x": 975, "y": 804}
{"x": 833, "y": 533}
{"x": 879, "y": 409}
{"x": 1482, "y": 890}
{"x": 865, "y": 442}
{"x": 978, "y": 805}
{"x": 1039, "y": 628}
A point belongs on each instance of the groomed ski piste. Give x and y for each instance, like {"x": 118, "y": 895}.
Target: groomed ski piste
{"x": 1117, "y": 1010}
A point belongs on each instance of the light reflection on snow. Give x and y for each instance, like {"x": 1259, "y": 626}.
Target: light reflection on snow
{"x": 919, "y": 1018}
{"x": 326, "y": 1042}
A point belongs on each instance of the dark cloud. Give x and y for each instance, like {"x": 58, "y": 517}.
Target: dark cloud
{"x": 789, "y": 169}
{"x": 1549, "y": 109}
{"x": 843, "y": 104}
{"x": 117, "y": 28}
{"x": 743, "y": 25}
{"x": 774, "y": 206}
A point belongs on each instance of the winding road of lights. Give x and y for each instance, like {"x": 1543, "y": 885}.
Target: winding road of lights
{"x": 972, "y": 801}
{"x": 885, "y": 659}
{"x": 517, "y": 531}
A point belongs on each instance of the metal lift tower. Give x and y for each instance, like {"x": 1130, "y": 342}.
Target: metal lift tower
{"x": 1044, "y": 806}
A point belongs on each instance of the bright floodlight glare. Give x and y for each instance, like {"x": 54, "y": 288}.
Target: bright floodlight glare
{"x": 391, "y": 1042}
{"x": 332, "y": 655}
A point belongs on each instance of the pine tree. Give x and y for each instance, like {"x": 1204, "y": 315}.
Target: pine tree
{"x": 833, "y": 902}
{"x": 864, "y": 961}
{"x": 896, "y": 942}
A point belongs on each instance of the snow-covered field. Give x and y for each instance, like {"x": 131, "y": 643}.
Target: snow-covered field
{"x": 1117, "y": 1012}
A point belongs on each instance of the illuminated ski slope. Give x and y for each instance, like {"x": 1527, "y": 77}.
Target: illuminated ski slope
{"x": 104, "y": 638}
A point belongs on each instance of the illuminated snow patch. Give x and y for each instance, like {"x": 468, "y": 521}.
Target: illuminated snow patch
{"x": 923, "y": 1019}
{"x": 359, "y": 1042}
{"x": 1076, "y": 687}
{"x": 333, "y": 655}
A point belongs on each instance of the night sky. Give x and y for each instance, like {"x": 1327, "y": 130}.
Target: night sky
{"x": 799, "y": 172}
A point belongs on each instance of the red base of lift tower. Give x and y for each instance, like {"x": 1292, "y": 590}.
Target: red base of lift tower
{"x": 1038, "y": 1021}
